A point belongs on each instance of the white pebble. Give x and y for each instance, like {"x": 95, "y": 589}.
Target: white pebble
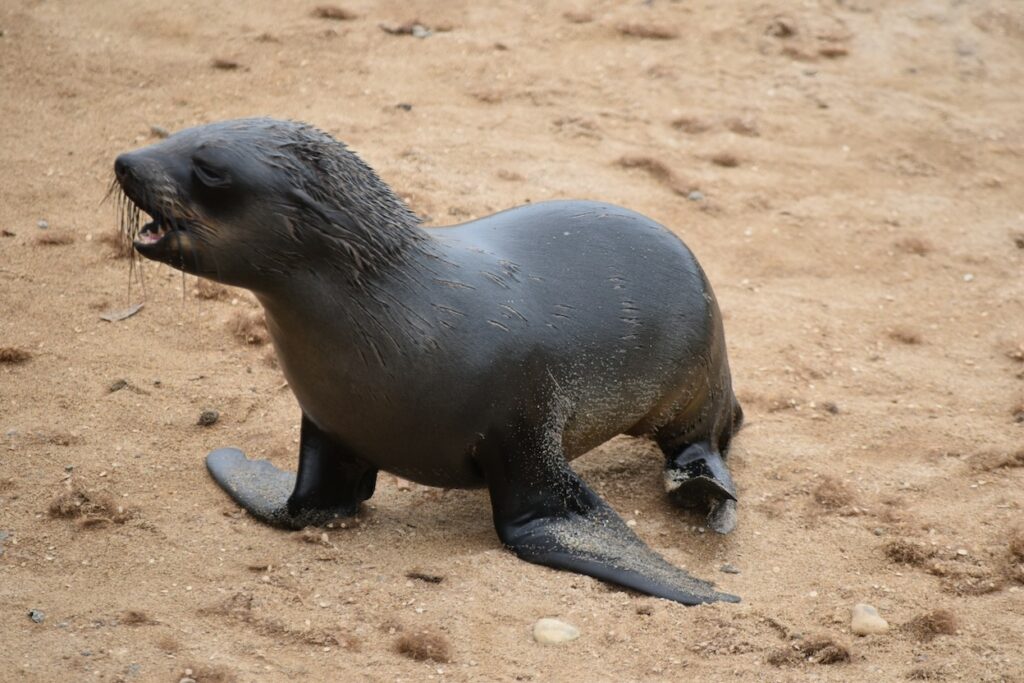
{"x": 866, "y": 620}
{"x": 554, "y": 631}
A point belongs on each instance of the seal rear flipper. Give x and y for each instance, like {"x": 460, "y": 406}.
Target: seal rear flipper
{"x": 547, "y": 515}
{"x": 330, "y": 484}
{"x": 599, "y": 544}
{"x": 697, "y": 476}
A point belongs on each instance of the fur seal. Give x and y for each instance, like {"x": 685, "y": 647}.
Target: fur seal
{"x": 489, "y": 353}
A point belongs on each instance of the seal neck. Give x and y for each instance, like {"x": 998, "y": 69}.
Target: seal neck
{"x": 315, "y": 312}
{"x": 360, "y": 245}
{"x": 357, "y": 224}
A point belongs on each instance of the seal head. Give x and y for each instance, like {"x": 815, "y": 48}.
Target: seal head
{"x": 244, "y": 203}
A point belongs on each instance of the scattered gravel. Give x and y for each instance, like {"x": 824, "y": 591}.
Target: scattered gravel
{"x": 208, "y": 418}
{"x": 866, "y": 620}
{"x": 554, "y": 632}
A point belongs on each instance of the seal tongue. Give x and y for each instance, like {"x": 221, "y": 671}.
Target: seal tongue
{"x": 152, "y": 232}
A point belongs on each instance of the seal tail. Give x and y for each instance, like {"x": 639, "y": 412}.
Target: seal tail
{"x": 547, "y": 515}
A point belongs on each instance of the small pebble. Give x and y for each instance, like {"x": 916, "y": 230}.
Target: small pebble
{"x": 695, "y": 196}
{"x": 42, "y": 224}
{"x": 729, "y": 569}
{"x": 554, "y": 631}
{"x": 159, "y": 131}
{"x": 866, "y": 620}
{"x": 36, "y": 615}
{"x": 969, "y": 277}
{"x": 207, "y": 418}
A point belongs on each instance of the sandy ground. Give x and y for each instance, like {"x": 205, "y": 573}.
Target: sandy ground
{"x": 860, "y": 163}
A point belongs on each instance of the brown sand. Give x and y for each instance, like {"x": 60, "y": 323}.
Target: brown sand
{"x": 865, "y": 239}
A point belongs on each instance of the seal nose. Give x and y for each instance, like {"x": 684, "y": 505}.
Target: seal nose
{"x": 122, "y": 166}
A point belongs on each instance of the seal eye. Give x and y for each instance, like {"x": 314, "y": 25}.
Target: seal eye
{"x": 208, "y": 175}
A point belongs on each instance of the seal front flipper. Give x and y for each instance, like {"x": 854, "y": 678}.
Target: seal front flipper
{"x": 546, "y": 514}
{"x": 331, "y": 482}
{"x": 698, "y": 477}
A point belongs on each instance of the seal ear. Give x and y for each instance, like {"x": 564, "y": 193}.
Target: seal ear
{"x": 351, "y": 238}
{"x": 336, "y": 216}
{"x": 329, "y": 214}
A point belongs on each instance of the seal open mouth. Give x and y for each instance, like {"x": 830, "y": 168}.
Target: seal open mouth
{"x": 154, "y": 234}
{"x": 166, "y": 236}
{"x": 167, "y": 239}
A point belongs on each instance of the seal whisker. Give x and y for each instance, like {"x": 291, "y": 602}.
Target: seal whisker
{"x": 128, "y": 217}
